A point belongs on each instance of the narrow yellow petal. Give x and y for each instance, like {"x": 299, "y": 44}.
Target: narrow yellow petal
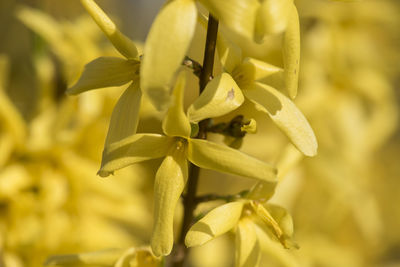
{"x": 105, "y": 72}
{"x": 122, "y": 43}
{"x": 272, "y": 16}
{"x": 209, "y": 155}
{"x": 267, "y": 219}
{"x": 252, "y": 70}
{"x": 217, "y": 222}
{"x": 170, "y": 181}
{"x": 286, "y": 116}
{"x": 248, "y": 250}
{"x": 176, "y": 122}
{"x": 238, "y": 15}
{"x": 133, "y": 149}
{"x": 99, "y": 258}
{"x": 282, "y": 217}
{"x": 229, "y": 53}
{"x": 165, "y": 48}
{"x": 291, "y": 52}
{"x": 276, "y": 222}
{"x": 125, "y": 116}
{"x": 221, "y": 96}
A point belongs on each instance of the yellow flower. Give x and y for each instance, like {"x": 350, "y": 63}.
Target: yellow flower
{"x": 244, "y": 216}
{"x": 225, "y": 93}
{"x": 178, "y": 148}
{"x": 114, "y": 71}
{"x": 173, "y": 29}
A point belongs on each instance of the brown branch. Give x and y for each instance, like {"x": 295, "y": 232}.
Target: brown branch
{"x": 189, "y": 202}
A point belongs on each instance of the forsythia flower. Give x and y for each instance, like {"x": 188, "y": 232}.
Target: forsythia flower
{"x": 113, "y": 71}
{"x": 244, "y": 215}
{"x": 173, "y": 29}
{"x": 178, "y": 148}
{"x": 245, "y": 78}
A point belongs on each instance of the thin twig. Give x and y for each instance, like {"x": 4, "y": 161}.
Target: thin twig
{"x": 194, "y": 65}
{"x": 189, "y": 202}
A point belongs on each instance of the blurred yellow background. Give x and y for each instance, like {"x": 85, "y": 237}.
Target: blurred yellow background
{"x": 344, "y": 202}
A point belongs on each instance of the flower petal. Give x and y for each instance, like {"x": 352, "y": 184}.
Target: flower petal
{"x": 125, "y": 116}
{"x": 166, "y": 45}
{"x": 217, "y": 222}
{"x": 286, "y": 116}
{"x": 105, "y": 72}
{"x": 176, "y": 122}
{"x": 170, "y": 181}
{"x": 221, "y": 96}
{"x": 133, "y": 149}
{"x": 248, "y": 250}
{"x": 209, "y": 155}
{"x": 229, "y": 53}
{"x": 272, "y": 16}
{"x": 122, "y": 43}
{"x": 238, "y": 15}
{"x": 252, "y": 70}
{"x": 291, "y": 52}
{"x": 282, "y": 217}
{"x": 277, "y": 222}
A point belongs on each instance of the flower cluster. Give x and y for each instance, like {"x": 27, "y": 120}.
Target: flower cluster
{"x": 159, "y": 76}
{"x": 164, "y": 137}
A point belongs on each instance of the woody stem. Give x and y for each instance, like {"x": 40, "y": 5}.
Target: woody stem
{"x": 189, "y": 201}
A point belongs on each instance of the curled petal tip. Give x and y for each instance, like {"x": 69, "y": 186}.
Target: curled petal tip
{"x": 312, "y": 152}
{"x": 104, "y": 174}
